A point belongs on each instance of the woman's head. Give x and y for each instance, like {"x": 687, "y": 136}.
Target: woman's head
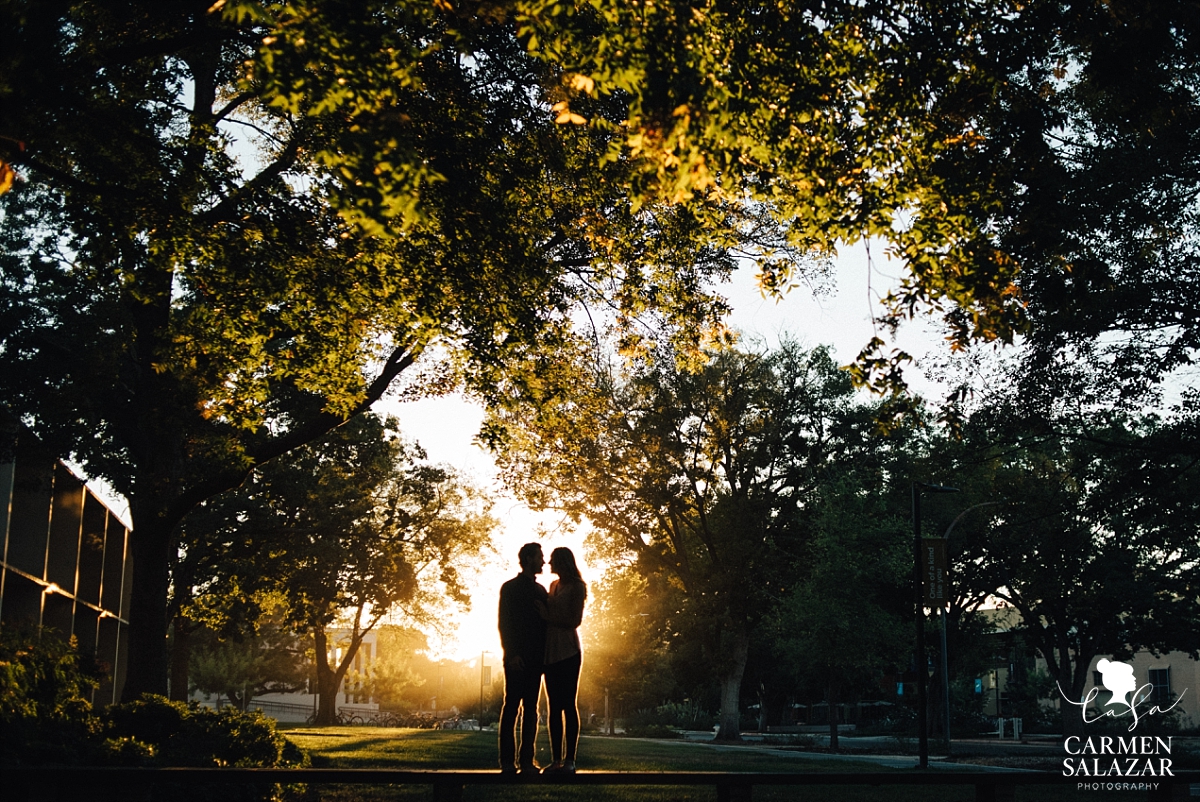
{"x": 562, "y": 562}
{"x": 1118, "y": 678}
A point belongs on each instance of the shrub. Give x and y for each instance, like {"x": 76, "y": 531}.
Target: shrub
{"x": 652, "y": 731}
{"x": 45, "y": 716}
{"x": 45, "y": 719}
{"x": 683, "y": 716}
{"x": 190, "y": 735}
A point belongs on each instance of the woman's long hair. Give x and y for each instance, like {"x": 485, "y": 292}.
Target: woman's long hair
{"x": 565, "y": 560}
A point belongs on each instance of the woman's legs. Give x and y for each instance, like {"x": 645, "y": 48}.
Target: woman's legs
{"x": 571, "y": 711}
{"x": 562, "y": 688}
{"x": 554, "y": 696}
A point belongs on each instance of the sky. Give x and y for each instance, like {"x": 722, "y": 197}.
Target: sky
{"x": 446, "y": 427}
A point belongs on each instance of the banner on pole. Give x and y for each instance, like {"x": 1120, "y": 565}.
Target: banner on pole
{"x": 933, "y": 571}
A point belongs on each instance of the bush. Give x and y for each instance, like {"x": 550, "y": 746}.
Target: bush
{"x": 682, "y": 716}
{"x": 665, "y": 721}
{"x": 652, "y": 731}
{"x": 181, "y": 734}
{"x": 45, "y": 716}
{"x": 46, "y": 719}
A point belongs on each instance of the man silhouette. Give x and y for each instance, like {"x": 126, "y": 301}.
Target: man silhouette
{"x": 523, "y": 638}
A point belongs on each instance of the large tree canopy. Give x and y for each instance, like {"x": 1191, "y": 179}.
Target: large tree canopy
{"x": 1089, "y": 535}
{"x": 1103, "y": 131}
{"x": 210, "y": 261}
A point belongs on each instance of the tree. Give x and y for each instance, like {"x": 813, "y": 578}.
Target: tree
{"x": 236, "y": 228}
{"x": 1103, "y": 134}
{"x": 626, "y": 642}
{"x": 839, "y": 626}
{"x": 239, "y": 223}
{"x": 269, "y": 660}
{"x": 393, "y": 673}
{"x": 701, "y": 474}
{"x": 1094, "y": 545}
{"x": 345, "y": 532}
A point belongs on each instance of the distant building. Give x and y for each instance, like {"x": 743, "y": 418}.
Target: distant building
{"x": 1165, "y": 680}
{"x": 64, "y": 558}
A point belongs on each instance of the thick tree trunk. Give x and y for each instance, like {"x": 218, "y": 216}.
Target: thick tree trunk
{"x": 1072, "y": 681}
{"x": 833, "y": 694}
{"x": 181, "y": 654}
{"x": 147, "y": 658}
{"x": 330, "y": 679}
{"x": 731, "y": 686}
{"x": 326, "y": 681}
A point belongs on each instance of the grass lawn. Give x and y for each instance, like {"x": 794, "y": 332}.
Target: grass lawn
{"x": 371, "y": 747}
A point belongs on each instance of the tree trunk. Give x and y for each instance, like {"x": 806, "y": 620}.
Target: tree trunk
{"x": 326, "y": 683}
{"x": 330, "y": 679}
{"x": 150, "y": 545}
{"x": 1072, "y": 682}
{"x": 181, "y": 652}
{"x": 832, "y": 694}
{"x": 731, "y": 686}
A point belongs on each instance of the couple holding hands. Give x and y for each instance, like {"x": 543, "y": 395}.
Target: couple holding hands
{"x": 538, "y": 632}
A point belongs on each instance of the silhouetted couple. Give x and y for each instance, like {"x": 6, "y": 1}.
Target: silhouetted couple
{"x": 538, "y": 631}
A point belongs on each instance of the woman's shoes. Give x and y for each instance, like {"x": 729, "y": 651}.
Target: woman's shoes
{"x": 560, "y": 767}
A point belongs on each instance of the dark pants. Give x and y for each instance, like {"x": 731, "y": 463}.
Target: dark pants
{"x": 521, "y": 689}
{"x": 562, "y": 687}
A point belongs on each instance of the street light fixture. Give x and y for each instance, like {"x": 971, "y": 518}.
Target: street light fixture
{"x": 922, "y": 674}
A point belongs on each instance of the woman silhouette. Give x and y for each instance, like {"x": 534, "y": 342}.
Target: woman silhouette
{"x": 563, "y": 612}
{"x": 1118, "y": 678}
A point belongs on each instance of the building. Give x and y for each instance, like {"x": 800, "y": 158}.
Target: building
{"x": 1163, "y": 680}
{"x": 64, "y": 558}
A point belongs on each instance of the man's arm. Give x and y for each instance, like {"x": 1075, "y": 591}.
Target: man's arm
{"x": 504, "y": 618}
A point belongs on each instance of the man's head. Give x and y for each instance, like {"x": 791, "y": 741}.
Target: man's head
{"x": 531, "y": 558}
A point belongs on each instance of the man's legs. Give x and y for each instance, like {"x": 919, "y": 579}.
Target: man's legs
{"x": 521, "y": 689}
{"x": 531, "y": 688}
{"x": 508, "y": 718}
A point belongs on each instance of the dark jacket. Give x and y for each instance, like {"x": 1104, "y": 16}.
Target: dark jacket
{"x": 522, "y": 630}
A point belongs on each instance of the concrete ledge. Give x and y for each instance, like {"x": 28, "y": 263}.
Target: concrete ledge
{"x": 45, "y": 783}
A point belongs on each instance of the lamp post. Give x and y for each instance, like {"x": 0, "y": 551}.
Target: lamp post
{"x": 945, "y": 621}
{"x": 482, "y": 669}
{"x": 922, "y": 674}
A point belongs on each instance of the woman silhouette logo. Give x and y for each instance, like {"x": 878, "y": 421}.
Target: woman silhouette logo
{"x": 1118, "y": 678}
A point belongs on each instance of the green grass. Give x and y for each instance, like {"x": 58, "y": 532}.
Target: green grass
{"x": 370, "y": 747}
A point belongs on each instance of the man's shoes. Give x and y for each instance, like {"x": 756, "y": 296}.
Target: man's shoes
{"x": 509, "y": 769}
{"x": 568, "y": 767}
{"x": 553, "y": 768}
{"x": 529, "y": 769}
